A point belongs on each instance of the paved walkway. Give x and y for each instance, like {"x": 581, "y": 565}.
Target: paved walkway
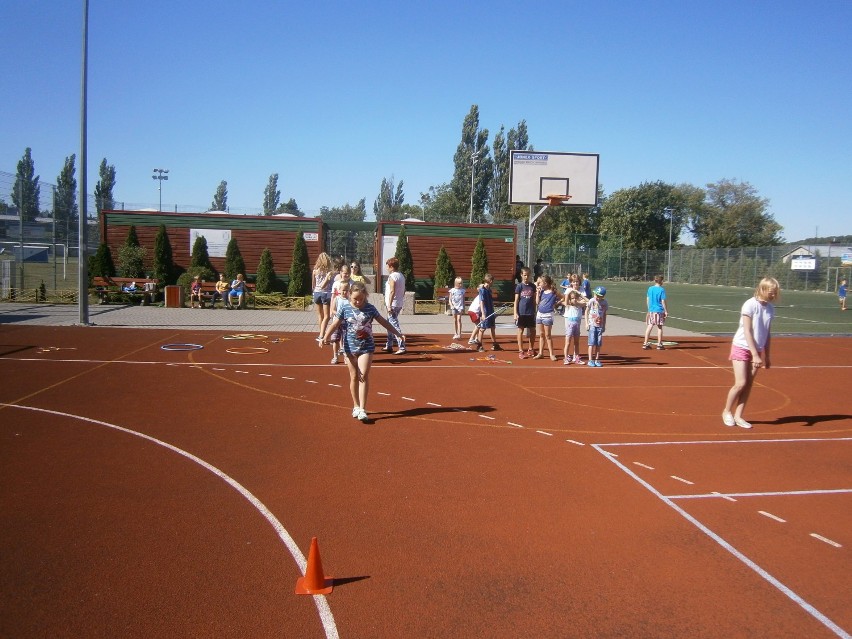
{"x": 251, "y": 321}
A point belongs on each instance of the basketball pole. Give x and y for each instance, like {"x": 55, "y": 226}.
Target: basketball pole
{"x": 531, "y": 230}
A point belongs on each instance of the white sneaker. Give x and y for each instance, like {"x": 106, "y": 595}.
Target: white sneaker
{"x": 334, "y": 360}
{"x": 356, "y": 411}
{"x": 728, "y": 419}
{"x": 741, "y": 422}
{"x": 362, "y": 415}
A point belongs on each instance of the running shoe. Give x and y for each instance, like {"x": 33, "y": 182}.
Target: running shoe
{"x": 591, "y": 363}
{"x": 522, "y": 355}
{"x": 577, "y": 359}
{"x": 362, "y": 415}
{"x": 401, "y": 351}
{"x": 646, "y": 346}
{"x": 741, "y": 422}
{"x": 355, "y": 411}
{"x": 660, "y": 347}
{"x": 496, "y": 347}
{"x": 334, "y": 360}
{"x": 728, "y": 419}
{"x": 598, "y": 363}
{"x": 566, "y": 361}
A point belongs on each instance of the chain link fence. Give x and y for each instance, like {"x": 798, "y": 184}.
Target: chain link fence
{"x": 605, "y": 259}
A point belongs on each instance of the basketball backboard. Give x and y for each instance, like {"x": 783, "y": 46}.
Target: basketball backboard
{"x": 534, "y": 175}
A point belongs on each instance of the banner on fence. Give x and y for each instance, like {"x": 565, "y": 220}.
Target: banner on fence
{"x": 803, "y": 263}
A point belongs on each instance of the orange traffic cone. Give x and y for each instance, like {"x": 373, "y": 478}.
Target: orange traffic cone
{"x": 314, "y": 582}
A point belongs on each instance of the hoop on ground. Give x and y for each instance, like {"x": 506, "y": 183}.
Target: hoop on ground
{"x": 181, "y": 347}
{"x": 554, "y": 199}
{"x": 247, "y": 350}
{"x": 245, "y": 336}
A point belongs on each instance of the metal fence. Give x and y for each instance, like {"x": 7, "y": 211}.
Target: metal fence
{"x": 722, "y": 266}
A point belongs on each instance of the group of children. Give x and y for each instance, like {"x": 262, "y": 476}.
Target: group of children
{"x": 535, "y": 308}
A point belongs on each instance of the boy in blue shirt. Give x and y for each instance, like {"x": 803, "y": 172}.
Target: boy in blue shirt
{"x": 657, "y": 312}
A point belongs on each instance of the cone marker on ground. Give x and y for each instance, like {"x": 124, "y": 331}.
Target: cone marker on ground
{"x": 314, "y": 582}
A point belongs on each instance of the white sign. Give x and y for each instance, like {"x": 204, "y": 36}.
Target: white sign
{"x": 846, "y": 259}
{"x": 803, "y": 263}
{"x": 217, "y": 240}
{"x": 310, "y": 237}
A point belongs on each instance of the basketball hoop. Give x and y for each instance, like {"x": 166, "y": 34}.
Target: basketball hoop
{"x": 557, "y": 200}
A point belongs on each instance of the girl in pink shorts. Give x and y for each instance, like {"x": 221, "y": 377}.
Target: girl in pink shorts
{"x": 750, "y": 349}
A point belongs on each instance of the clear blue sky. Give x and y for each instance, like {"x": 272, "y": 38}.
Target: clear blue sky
{"x": 335, "y": 96}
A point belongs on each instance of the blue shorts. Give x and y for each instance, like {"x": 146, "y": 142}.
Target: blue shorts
{"x": 595, "y": 335}
{"x": 323, "y": 297}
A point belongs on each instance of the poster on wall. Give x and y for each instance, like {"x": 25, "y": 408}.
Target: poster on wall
{"x": 217, "y": 240}
{"x": 388, "y": 251}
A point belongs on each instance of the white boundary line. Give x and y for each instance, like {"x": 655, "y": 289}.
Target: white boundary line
{"x": 326, "y": 617}
{"x": 785, "y": 590}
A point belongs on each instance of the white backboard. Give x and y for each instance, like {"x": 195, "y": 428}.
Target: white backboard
{"x": 533, "y": 175}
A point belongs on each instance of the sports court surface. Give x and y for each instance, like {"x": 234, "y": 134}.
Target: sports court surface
{"x": 174, "y": 493}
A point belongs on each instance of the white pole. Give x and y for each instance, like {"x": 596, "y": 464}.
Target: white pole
{"x": 82, "y": 256}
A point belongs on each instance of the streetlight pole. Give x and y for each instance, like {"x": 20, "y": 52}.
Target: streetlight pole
{"x": 161, "y": 174}
{"x": 473, "y": 158}
{"x": 670, "y": 211}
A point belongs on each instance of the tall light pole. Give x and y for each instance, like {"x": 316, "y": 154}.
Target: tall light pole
{"x": 473, "y": 158}
{"x": 670, "y": 211}
{"x": 82, "y": 217}
{"x": 160, "y": 175}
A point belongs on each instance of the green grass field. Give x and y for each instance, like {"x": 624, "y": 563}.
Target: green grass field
{"x": 715, "y": 309}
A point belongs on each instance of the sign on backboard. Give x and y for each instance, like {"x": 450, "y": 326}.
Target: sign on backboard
{"x": 534, "y": 175}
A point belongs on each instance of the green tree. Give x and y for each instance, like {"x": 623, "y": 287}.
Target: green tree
{"x": 271, "y": 195}
{"x": 439, "y": 204}
{"x": 266, "y": 281}
{"x": 403, "y": 254}
{"x": 65, "y": 204}
{"x": 291, "y": 208}
{"x": 445, "y": 274}
{"x": 164, "y": 265}
{"x": 101, "y": 264}
{"x": 498, "y": 192}
{"x": 200, "y": 256}
{"x": 234, "y": 262}
{"x": 105, "y": 186}
{"x": 641, "y": 215}
{"x": 388, "y": 204}
{"x": 26, "y": 190}
{"x": 472, "y": 154}
{"x": 300, "y": 270}
{"x": 131, "y": 261}
{"x": 479, "y": 263}
{"x": 735, "y": 216}
{"x": 220, "y": 198}
{"x": 132, "y": 239}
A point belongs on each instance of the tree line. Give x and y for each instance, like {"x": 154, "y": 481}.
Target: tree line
{"x": 726, "y": 213}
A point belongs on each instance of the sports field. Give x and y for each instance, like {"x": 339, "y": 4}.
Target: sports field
{"x": 716, "y": 309}
{"x": 174, "y": 492}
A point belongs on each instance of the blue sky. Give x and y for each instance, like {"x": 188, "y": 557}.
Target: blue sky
{"x": 335, "y": 96}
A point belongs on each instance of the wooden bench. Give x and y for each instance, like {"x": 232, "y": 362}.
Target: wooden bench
{"x": 442, "y": 296}
{"x": 209, "y": 288}
{"x": 108, "y": 288}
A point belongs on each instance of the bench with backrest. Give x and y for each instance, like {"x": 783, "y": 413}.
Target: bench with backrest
{"x": 209, "y": 288}
{"x": 109, "y": 288}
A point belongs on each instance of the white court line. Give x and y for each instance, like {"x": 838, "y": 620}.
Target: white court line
{"x": 542, "y": 432}
{"x": 826, "y": 540}
{"x": 681, "y": 479}
{"x": 514, "y": 424}
{"x": 780, "y": 493}
{"x": 433, "y": 404}
{"x": 643, "y": 465}
{"x": 408, "y": 399}
{"x": 323, "y": 608}
{"x": 575, "y": 442}
{"x": 488, "y": 417}
{"x": 786, "y": 591}
{"x": 771, "y": 516}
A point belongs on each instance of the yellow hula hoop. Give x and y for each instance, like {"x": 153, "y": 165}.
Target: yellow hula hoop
{"x": 247, "y": 350}
{"x": 245, "y": 336}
